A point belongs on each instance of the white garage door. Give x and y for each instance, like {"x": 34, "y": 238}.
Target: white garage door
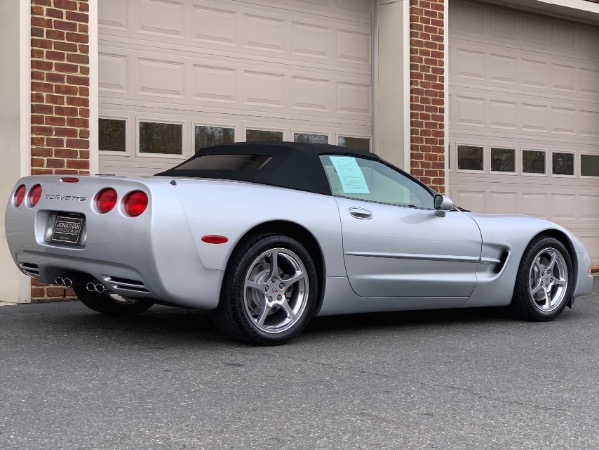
{"x": 524, "y": 116}
{"x": 175, "y": 76}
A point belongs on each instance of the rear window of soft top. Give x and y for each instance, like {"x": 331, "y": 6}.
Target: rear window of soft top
{"x": 240, "y": 163}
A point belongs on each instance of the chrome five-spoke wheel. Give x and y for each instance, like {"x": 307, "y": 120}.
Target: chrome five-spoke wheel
{"x": 269, "y": 291}
{"x": 548, "y": 279}
{"x": 543, "y": 284}
{"x": 276, "y": 290}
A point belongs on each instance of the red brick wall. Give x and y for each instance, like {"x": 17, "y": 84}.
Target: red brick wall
{"x": 427, "y": 91}
{"x": 59, "y": 96}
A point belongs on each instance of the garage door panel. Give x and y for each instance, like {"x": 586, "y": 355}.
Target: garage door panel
{"x": 565, "y": 207}
{"x": 589, "y": 123}
{"x": 589, "y": 205}
{"x": 564, "y": 121}
{"x": 503, "y": 114}
{"x": 233, "y": 84}
{"x": 528, "y": 76}
{"x": 288, "y": 67}
{"x": 529, "y": 115}
{"x": 113, "y": 15}
{"x": 113, "y": 72}
{"x": 589, "y": 43}
{"x": 213, "y": 84}
{"x": 534, "y": 73}
{"x": 311, "y": 94}
{"x": 502, "y": 201}
{"x": 589, "y": 81}
{"x": 343, "y": 38}
{"x": 526, "y": 82}
{"x": 160, "y": 78}
{"x": 161, "y": 18}
{"x": 214, "y": 24}
{"x": 535, "y": 29}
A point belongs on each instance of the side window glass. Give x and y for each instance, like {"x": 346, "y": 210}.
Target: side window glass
{"x": 365, "y": 179}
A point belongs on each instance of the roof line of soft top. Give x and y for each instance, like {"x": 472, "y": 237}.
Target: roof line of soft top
{"x": 248, "y": 147}
{"x": 291, "y": 164}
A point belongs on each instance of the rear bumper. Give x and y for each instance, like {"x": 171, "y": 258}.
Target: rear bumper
{"x": 201, "y": 289}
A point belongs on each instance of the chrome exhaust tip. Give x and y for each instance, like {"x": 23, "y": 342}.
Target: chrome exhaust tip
{"x": 67, "y": 282}
{"x": 59, "y": 281}
{"x": 91, "y": 287}
{"x": 100, "y": 288}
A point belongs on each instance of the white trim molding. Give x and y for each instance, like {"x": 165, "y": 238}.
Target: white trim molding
{"x": 393, "y": 106}
{"x": 15, "y": 129}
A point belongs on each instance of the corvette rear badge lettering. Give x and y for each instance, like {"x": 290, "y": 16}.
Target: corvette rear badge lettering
{"x": 65, "y": 197}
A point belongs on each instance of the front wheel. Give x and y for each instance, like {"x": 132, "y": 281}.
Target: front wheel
{"x": 544, "y": 280}
{"x": 269, "y": 291}
{"x": 110, "y": 304}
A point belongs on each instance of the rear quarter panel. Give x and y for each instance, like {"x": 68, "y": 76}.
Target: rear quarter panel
{"x": 232, "y": 209}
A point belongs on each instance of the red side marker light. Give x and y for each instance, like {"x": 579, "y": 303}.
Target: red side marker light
{"x": 69, "y": 180}
{"x": 34, "y": 195}
{"x": 19, "y": 195}
{"x": 214, "y": 239}
{"x": 106, "y": 200}
{"x": 136, "y": 203}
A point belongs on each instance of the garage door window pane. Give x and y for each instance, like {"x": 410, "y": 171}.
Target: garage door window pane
{"x": 533, "y": 161}
{"x": 563, "y": 163}
{"x": 470, "y": 157}
{"x": 589, "y": 165}
{"x": 306, "y": 138}
{"x": 263, "y": 136}
{"x": 210, "y": 136}
{"x": 503, "y": 160}
{"x": 113, "y": 135}
{"x": 162, "y": 138}
{"x": 354, "y": 143}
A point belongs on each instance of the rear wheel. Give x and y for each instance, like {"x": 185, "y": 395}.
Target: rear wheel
{"x": 269, "y": 291}
{"x": 110, "y": 304}
{"x": 544, "y": 281}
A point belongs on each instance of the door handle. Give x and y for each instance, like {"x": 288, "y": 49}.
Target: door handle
{"x": 360, "y": 213}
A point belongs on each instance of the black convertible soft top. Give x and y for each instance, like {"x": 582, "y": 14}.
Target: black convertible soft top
{"x": 284, "y": 164}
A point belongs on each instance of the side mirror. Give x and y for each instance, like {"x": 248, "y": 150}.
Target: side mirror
{"x": 442, "y": 205}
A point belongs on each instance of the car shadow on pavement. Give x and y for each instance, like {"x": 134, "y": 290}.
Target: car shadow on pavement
{"x": 179, "y": 326}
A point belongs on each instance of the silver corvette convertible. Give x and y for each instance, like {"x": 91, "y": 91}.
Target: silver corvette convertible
{"x": 268, "y": 235}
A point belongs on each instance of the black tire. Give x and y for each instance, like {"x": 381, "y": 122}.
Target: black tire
{"x": 275, "y": 308}
{"x": 543, "y": 287}
{"x": 105, "y": 304}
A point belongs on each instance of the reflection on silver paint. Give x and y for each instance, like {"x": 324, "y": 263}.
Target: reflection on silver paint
{"x": 426, "y": 257}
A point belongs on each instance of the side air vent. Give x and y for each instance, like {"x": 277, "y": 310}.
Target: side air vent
{"x": 502, "y": 260}
{"x": 126, "y": 284}
{"x": 30, "y": 269}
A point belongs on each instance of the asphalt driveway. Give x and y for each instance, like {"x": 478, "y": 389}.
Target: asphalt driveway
{"x": 73, "y": 379}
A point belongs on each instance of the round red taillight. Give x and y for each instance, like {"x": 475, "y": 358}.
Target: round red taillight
{"x": 136, "y": 203}
{"x": 106, "y": 200}
{"x": 19, "y": 195}
{"x": 34, "y": 195}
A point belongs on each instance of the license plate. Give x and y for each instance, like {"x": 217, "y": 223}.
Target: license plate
{"x": 67, "y": 230}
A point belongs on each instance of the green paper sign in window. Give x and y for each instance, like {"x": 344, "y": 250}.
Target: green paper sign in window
{"x": 351, "y": 176}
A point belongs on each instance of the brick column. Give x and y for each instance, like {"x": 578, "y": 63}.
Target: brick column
{"x": 427, "y": 91}
{"x": 59, "y": 96}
